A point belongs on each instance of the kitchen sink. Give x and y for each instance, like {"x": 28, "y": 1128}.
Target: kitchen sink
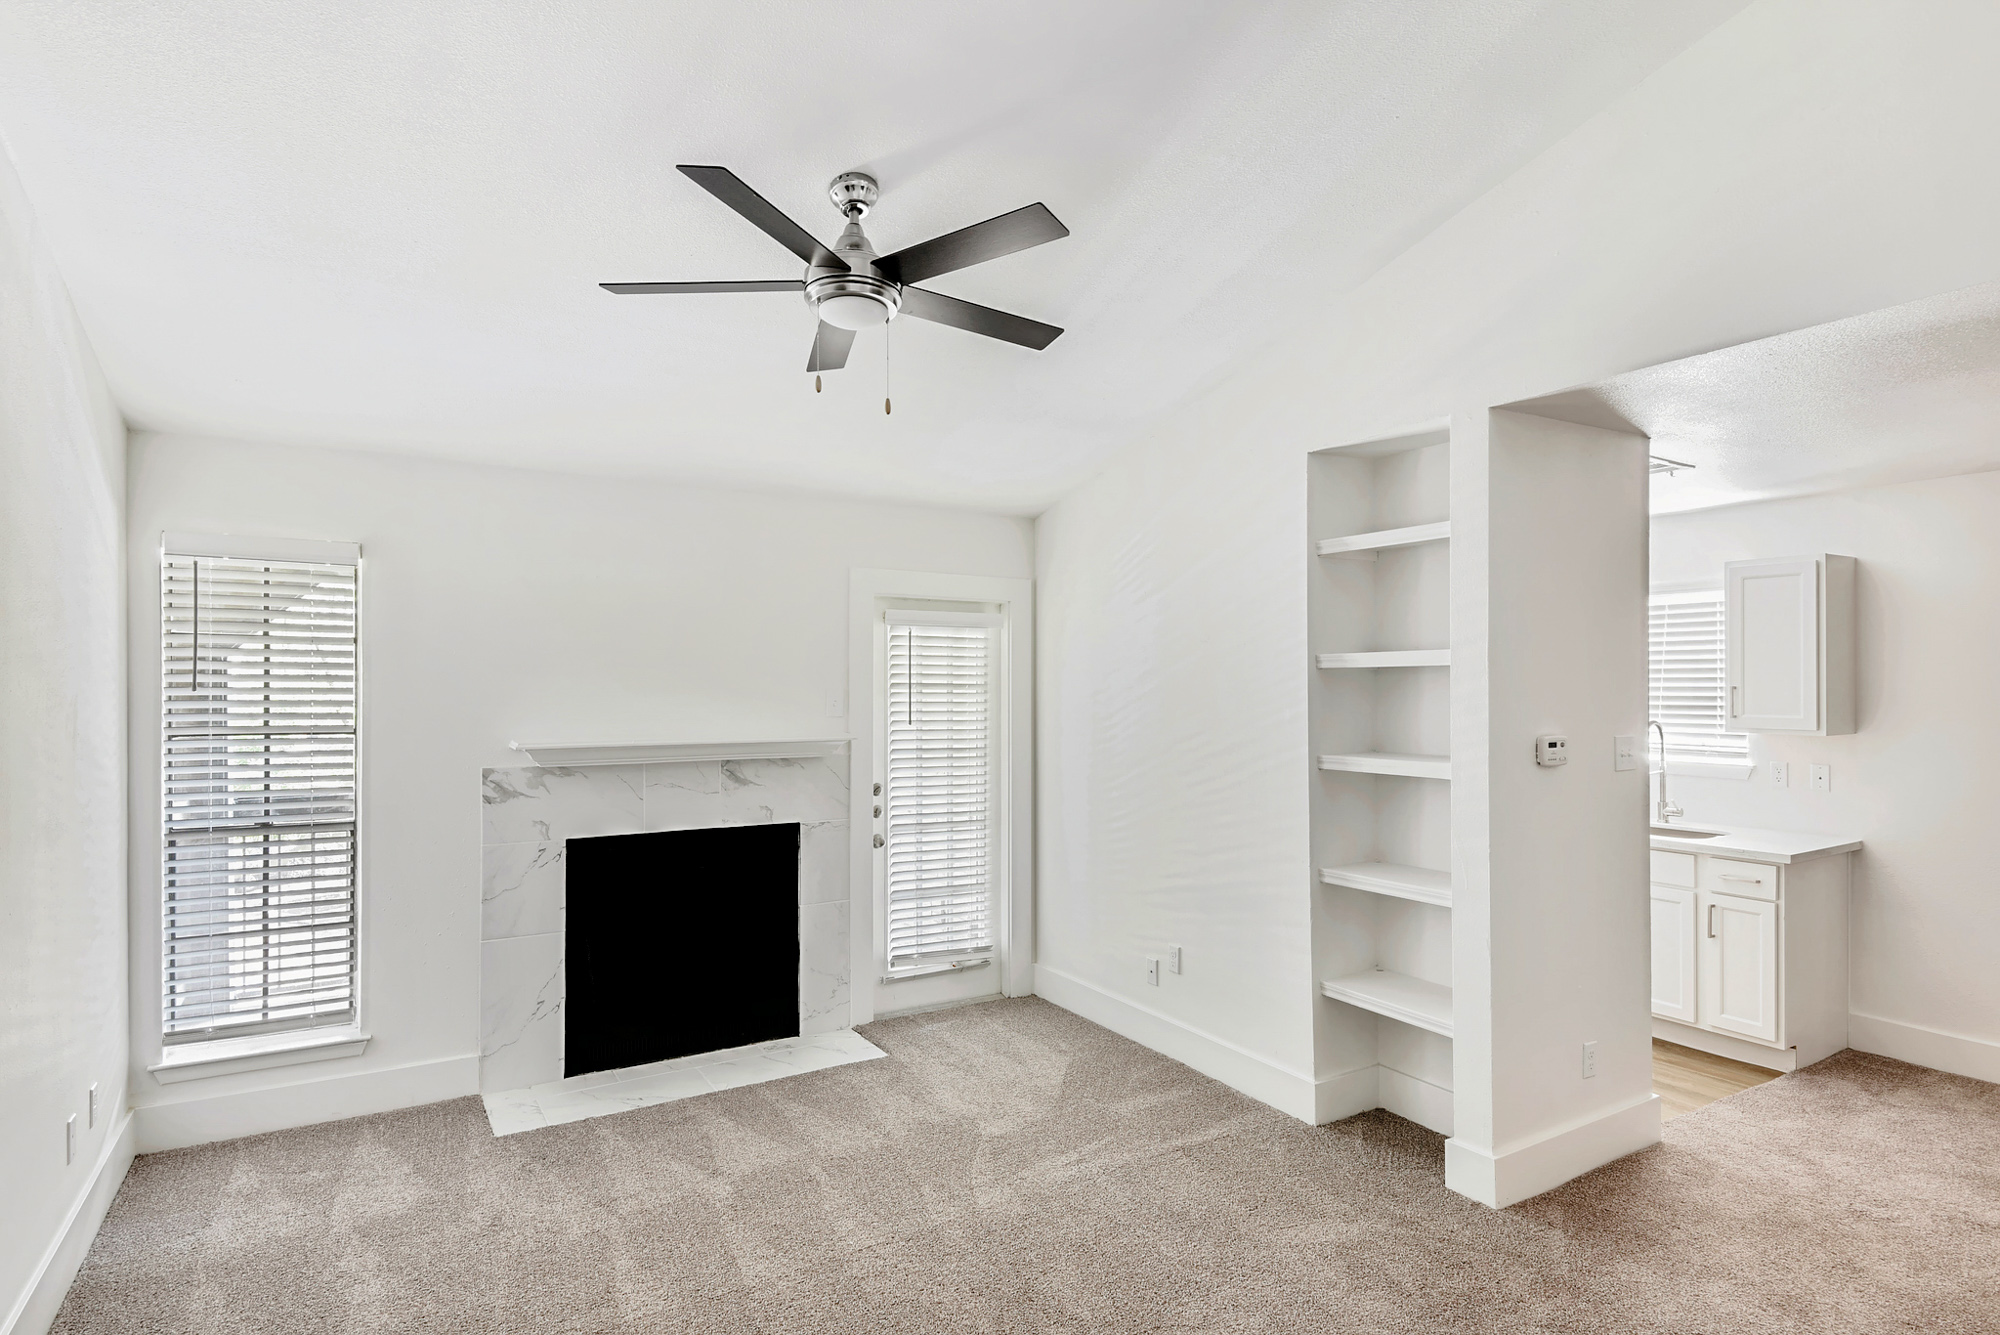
{"x": 1684, "y": 832}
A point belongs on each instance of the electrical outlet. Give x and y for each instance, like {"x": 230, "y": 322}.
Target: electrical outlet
{"x": 1153, "y": 970}
{"x": 1781, "y": 774}
{"x": 69, "y": 1139}
{"x": 1822, "y": 778}
{"x": 1625, "y": 752}
{"x": 1589, "y": 1059}
{"x": 1173, "y": 959}
{"x": 93, "y": 1103}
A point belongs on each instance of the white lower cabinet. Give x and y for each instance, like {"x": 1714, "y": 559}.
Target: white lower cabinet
{"x": 1751, "y": 958}
{"x": 1674, "y": 953}
{"x": 1738, "y": 954}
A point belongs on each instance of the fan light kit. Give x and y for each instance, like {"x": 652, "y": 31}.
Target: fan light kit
{"x": 851, "y": 288}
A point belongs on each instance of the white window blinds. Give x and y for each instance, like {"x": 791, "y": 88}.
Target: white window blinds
{"x": 1686, "y": 680}
{"x": 258, "y": 781}
{"x": 942, "y": 787}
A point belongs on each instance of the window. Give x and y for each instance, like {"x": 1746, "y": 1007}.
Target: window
{"x": 1686, "y": 681}
{"x": 260, "y": 728}
{"x": 941, "y": 790}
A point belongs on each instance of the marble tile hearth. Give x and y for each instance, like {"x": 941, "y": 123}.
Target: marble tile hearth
{"x": 605, "y": 1092}
{"x": 530, "y": 813}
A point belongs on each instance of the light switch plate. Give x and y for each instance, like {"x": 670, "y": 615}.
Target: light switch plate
{"x": 1822, "y": 778}
{"x": 1625, "y": 752}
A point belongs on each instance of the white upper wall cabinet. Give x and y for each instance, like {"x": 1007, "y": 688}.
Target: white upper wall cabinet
{"x": 1790, "y": 644}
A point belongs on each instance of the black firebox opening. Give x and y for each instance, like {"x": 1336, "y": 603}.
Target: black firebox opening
{"x": 679, "y": 943}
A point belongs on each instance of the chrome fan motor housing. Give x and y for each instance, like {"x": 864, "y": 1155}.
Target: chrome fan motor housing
{"x": 843, "y": 289}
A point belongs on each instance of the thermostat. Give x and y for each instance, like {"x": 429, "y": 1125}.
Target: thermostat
{"x": 1551, "y": 750}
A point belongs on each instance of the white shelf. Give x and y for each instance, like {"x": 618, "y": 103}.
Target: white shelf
{"x": 674, "y": 753}
{"x": 1396, "y": 995}
{"x": 1389, "y": 762}
{"x": 1392, "y": 878}
{"x": 1363, "y": 546}
{"x": 1388, "y": 658}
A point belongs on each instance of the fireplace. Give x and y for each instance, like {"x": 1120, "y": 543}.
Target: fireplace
{"x": 680, "y": 943}
{"x": 548, "y": 837}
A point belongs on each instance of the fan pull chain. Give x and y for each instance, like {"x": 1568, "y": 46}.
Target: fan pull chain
{"x": 885, "y": 368}
{"x": 817, "y": 326}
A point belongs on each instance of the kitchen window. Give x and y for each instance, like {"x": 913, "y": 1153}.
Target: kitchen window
{"x": 1686, "y": 678}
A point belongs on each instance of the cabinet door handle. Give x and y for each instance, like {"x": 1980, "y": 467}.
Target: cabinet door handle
{"x": 1734, "y": 712}
{"x": 1746, "y": 880}
{"x": 1711, "y": 919}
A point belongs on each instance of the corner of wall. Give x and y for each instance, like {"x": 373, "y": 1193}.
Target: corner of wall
{"x": 36, "y": 1309}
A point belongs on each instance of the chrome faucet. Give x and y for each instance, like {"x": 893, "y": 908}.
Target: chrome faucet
{"x": 1663, "y": 810}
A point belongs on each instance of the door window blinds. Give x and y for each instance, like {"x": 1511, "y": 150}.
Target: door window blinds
{"x": 258, "y": 781}
{"x": 1686, "y": 678}
{"x": 942, "y": 789}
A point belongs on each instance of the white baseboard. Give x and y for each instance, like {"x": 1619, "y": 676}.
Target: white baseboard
{"x": 1287, "y": 1090}
{"x": 35, "y": 1310}
{"x": 198, "y": 1121}
{"x": 1424, "y": 1103}
{"x": 1530, "y": 1168}
{"x": 1346, "y": 1094}
{"x": 1960, "y": 1054}
{"x": 1726, "y": 1045}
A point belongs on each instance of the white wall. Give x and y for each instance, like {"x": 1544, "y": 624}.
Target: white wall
{"x": 62, "y": 783}
{"x": 1549, "y": 864}
{"x": 1804, "y": 162}
{"x": 500, "y": 605}
{"x": 1916, "y": 782}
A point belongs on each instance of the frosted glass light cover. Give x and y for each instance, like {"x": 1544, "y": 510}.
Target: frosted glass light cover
{"x": 852, "y": 312}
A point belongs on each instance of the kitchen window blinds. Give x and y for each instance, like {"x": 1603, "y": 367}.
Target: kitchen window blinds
{"x": 1686, "y": 679}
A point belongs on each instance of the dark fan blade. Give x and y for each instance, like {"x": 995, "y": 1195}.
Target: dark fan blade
{"x": 830, "y": 347}
{"x": 972, "y": 245}
{"x": 940, "y": 309}
{"x": 748, "y": 285}
{"x": 726, "y": 186}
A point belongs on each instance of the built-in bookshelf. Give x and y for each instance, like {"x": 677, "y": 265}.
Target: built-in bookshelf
{"x": 1379, "y": 631}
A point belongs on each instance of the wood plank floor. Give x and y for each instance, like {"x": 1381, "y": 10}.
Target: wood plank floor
{"x": 1686, "y": 1079}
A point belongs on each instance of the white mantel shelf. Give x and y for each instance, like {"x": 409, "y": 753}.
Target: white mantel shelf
{"x": 566, "y": 755}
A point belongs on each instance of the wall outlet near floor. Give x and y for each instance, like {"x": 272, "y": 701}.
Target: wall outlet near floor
{"x": 1153, "y": 970}
{"x": 1589, "y": 1059}
{"x": 1822, "y": 778}
{"x": 1781, "y": 774}
{"x": 1625, "y": 752}
{"x": 69, "y": 1139}
{"x": 1173, "y": 959}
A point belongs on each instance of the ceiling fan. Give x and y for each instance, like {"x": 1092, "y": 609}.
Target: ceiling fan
{"x": 852, "y": 288}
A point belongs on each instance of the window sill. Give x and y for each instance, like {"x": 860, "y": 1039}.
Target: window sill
{"x": 1712, "y": 769}
{"x": 227, "y": 1056}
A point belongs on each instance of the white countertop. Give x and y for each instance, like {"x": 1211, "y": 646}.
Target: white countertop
{"x": 1775, "y": 846}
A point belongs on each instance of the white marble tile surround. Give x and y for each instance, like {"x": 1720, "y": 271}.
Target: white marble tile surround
{"x": 530, "y": 813}
{"x": 602, "y": 1093}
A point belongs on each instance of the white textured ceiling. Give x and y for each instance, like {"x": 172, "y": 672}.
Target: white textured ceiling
{"x": 1908, "y": 392}
{"x": 381, "y": 225}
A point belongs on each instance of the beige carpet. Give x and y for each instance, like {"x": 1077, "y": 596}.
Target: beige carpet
{"x": 1013, "y": 1168}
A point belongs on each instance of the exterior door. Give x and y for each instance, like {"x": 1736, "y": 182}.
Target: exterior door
{"x": 1674, "y": 954}
{"x": 1739, "y": 965}
{"x": 1771, "y": 612}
